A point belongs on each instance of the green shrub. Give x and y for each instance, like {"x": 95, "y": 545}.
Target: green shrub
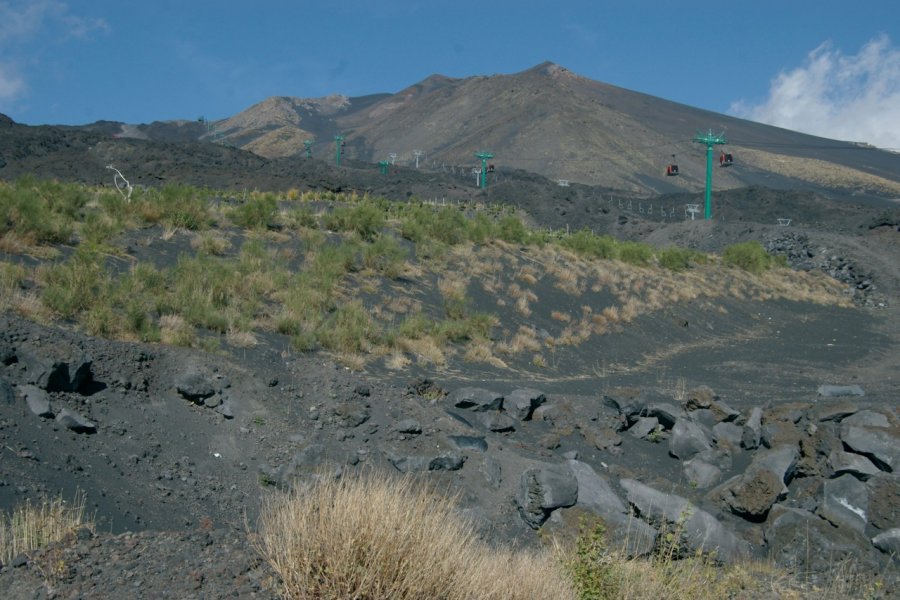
{"x": 175, "y": 205}
{"x": 44, "y": 211}
{"x": 446, "y": 225}
{"x": 11, "y": 278}
{"x": 481, "y": 228}
{"x": 584, "y": 242}
{"x": 511, "y": 229}
{"x": 332, "y": 262}
{"x": 415, "y": 326}
{"x": 385, "y": 256}
{"x": 678, "y": 259}
{"x": 635, "y": 253}
{"x": 749, "y": 256}
{"x": 257, "y": 213}
{"x": 349, "y": 329}
{"x": 365, "y": 219}
{"x": 300, "y": 217}
{"x": 75, "y": 285}
{"x": 593, "y": 575}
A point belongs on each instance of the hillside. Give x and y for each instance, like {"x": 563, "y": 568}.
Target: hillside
{"x": 551, "y": 121}
{"x": 717, "y": 399}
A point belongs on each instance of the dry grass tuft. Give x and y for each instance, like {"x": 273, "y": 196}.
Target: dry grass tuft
{"x": 482, "y": 351}
{"x": 30, "y": 526}
{"x": 380, "y": 538}
{"x": 425, "y": 349}
{"x": 241, "y": 339}
{"x": 557, "y": 315}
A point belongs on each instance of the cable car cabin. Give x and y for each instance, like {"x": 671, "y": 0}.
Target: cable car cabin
{"x": 672, "y": 170}
{"x": 726, "y": 160}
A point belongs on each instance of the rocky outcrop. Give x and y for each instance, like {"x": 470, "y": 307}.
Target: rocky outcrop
{"x": 698, "y": 530}
{"x": 544, "y": 489}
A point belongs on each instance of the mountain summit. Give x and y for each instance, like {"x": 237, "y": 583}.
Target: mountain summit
{"x": 551, "y": 121}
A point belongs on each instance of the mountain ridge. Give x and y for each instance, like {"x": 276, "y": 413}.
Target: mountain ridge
{"x": 554, "y": 122}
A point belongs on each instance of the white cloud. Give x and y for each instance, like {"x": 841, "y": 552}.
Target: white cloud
{"x": 11, "y": 84}
{"x": 832, "y": 95}
{"x": 25, "y": 27}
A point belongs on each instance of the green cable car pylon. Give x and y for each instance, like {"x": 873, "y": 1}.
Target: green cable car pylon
{"x": 484, "y": 156}
{"x": 308, "y": 144}
{"x": 338, "y": 142}
{"x": 710, "y": 139}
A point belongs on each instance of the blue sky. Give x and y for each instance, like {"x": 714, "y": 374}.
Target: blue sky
{"x": 827, "y": 67}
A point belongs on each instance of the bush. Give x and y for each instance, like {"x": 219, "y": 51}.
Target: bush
{"x": 365, "y": 219}
{"x": 586, "y": 243}
{"x": 175, "y": 205}
{"x": 678, "y": 259}
{"x": 41, "y": 211}
{"x": 385, "y": 256}
{"x": 635, "y": 253}
{"x": 511, "y": 229}
{"x": 257, "y": 213}
{"x": 349, "y": 329}
{"x": 75, "y": 285}
{"x": 446, "y": 225}
{"x": 380, "y": 538}
{"x": 749, "y": 256}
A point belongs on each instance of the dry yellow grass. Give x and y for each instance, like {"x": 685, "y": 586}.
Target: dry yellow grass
{"x": 211, "y": 243}
{"x": 31, "y": 526}
{"x": 482, "y": 351}
{"x": 611, "y": 314}
{"x": 241, "y": 339}
{"x": 397, "y": 361}
{"x": 528, "y": 275}
{"x": 380, "y": 538}
{"x": 425, "y": 349}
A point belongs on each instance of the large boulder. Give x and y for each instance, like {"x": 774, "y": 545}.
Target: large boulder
{"x": 497, "y": 422}
{"x": 544, "y": 489}
{"x": 704, "y": 399}
{"x": 688, "y": 439}
{"x": 629, "y": 402}
{"x": 884, "y": 501}
{"x": 802, "y": 542}
{"x": 352, "y": 412}
{"x": 859, "y": 466}
{"x": 477, "y": 399}
{"x": 448, "y": 461}
{"x": 624, "y": 532}
{"x": 764, "y": 482}
{"x": 667, "y": 414}
{"x": 698, "y": 531}
{"x": 58, "y": 375}
{"x": 700, "y": 473}
{"x": 727, "y": 433}
{"x": 521, "y": 403}
{"x": 75, "y": 421}
{"x": 644, "y": 428}
{"x": 867, "y": 418}
{"x": 195, "y": 386}
{"x": 888, "y": 542}
{"x": 837, "y": 391}
{"x": 752, "y": 433}
{"x": 845, "y": 502}
{"x": 876, "y": 444}
{"x": 37, "y": 400}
